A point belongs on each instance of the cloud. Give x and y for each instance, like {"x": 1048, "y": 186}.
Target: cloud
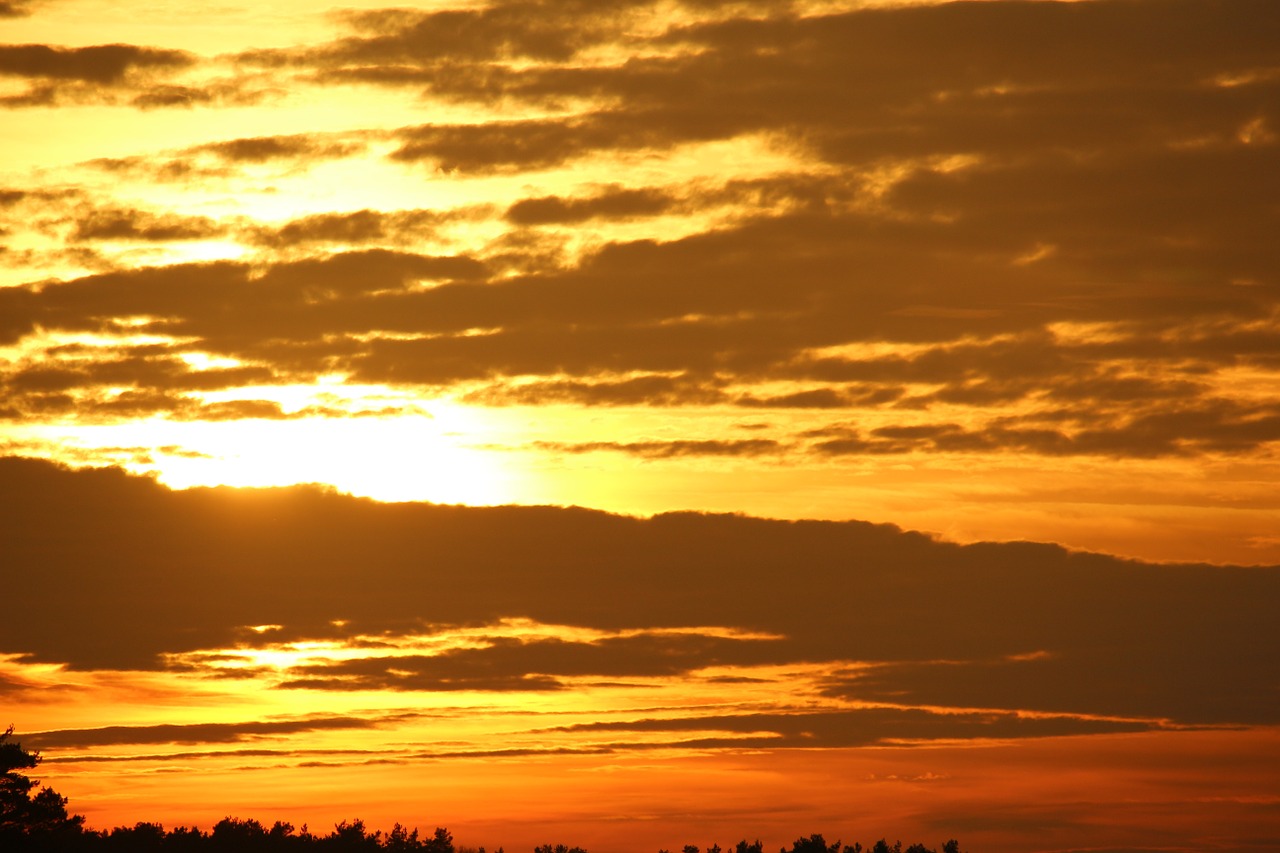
{"x": 629, "y": 325}
{"x": 215, "y": 93}
{"x": 1218, "y": 426}
{"x": 812, "y": 72}
{"x": 512, "y": 664}
{"x": 401, "y": 227}
{"x": 14, "y": 9}
{"x": 1005, "y": 626}
{"x": 523, "y": 144}
{"x": 852, "y": 728}
{"x": 651, "y": 390}
{"x": 615, "y": 202}
{"x": 669, "y": 449}
{"x": 129, "y": 224}
{"x": 1085, "y": 677}
{"x": 194, "y": 733}
{"x": 95, "y": 74}
{"x": 227, "y": 158}
{"x": 196, "y": 298}
{"x": 819, "y": 398}
{"x": 971, "y": 208}
{"x": 106, "y": 382}
{"x": 104, "y": 64}
{"x": 261, "y": 149}
{"x": 409, "y": 41}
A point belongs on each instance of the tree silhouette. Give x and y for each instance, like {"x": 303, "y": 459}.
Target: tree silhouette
{"x": 440, "y": 842}
{"x": 813, "y": 844}
{"x": 25, "y": 816}
{"x": 139, "y": 838}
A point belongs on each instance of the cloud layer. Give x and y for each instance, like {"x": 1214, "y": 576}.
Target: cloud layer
{"x": 120, "y": 573}
{"x": 1068, "y": 245}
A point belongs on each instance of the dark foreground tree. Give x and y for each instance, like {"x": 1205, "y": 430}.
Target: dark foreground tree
{"x": 817, "y": 844}
{"x": 30, "y": 819}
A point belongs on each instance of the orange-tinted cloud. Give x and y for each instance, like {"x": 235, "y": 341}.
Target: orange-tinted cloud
{"x": 97, "y": 64}
{"x": 85, "y": 73}
{"x": 1012, "y": 627}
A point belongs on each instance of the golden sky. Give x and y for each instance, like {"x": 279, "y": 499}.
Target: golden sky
{"x": 627, "y": 344}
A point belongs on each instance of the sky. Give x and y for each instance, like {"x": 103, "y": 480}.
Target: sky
{"x": 631, "y": 424}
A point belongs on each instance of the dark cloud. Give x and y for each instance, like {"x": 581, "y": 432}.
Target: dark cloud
{"x": 261, "y": 149}
{"x": 104, "y": 64}
{"x": 178, "y": 169}
{"x": 14, "y": 9}
{"x": 978, "y": 257}
{"x": 510, "y": 664}
{"x": 811, "y": 76}
{"x": 399, "y": 43}
{"x": 527, "y": 143}
{"x": 652, "y": 390}
{"x": 109, "y": 384}
{"x": 37, "y": 95}
{"x": 401, "y": 227}
{"x": 220, "y": 298}
{"x": 423, "y": 681}
{"x": 816, "y": 398}
{"x": 172, "y": 96}
{"x": 614, "y": 203}
{"x": 92, "y": 554}
{"x": 859, "y": 727}
{"x": 194, "y": 733}
{"x": 217, "y": 93}
{"x": 1088, "y": 677}
{"x": 1212, "y": 425}
{"x": 144, "y": 369}
{"x": 129, "y": 224}
{"x": 697, "y": 320}
{"x": 1179, "y": 220}
{"x": 349, "y": 755}
{"x": 670, "y": 449}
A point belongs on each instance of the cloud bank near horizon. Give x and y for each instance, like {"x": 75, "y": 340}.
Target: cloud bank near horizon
{"x": 898, "y": 635}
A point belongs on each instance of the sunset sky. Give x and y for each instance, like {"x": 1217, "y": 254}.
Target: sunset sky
{"x": 721, "y": 419}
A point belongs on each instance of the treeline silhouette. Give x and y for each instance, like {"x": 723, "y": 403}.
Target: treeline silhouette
{"x": 36, "y": 821}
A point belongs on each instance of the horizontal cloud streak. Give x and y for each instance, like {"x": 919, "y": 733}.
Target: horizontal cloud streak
{"x": 97, "y": 64}
{"x": 187, "y": 734}
{"x": 1191, "y": 644}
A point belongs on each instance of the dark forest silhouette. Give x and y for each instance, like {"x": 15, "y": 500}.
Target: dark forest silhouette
{"x": 35, "y": 818}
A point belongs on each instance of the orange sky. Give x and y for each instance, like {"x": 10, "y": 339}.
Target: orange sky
{"x": 759, "y": 288}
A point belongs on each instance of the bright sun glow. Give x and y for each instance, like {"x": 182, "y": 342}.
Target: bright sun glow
{"x": 391, "y": 459}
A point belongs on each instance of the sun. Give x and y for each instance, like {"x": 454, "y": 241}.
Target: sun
{"x": 420, "y": 457}
{"x": 439, "y": 452}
